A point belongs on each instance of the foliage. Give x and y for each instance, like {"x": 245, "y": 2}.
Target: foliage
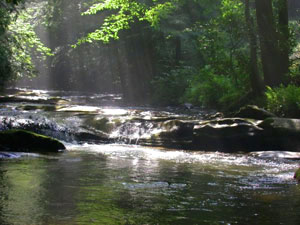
{"x": 5, "y": 51}
{"x": 25, "y": 44}
{"x": 18, "y": 43}
{"x": 127, "y": 13}
{"x": 284, "y": 100}
{"x": 170, "y": 87}
{"x": 211, "y": 90}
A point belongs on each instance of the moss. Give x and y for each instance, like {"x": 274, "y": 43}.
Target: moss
{"x": 26, "y": 141}
{"x": 39, "y": 107}
{"x": 297, "y": 175}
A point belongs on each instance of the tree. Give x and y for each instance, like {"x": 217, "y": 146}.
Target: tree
{"x": 274, "y": 44}
{"x": 132, "y": 20}
{"x": 18, "y": 42}
{"x": 255, "y": 79}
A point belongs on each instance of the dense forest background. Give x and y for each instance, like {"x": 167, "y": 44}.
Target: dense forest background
{"x": 213, "y": 53}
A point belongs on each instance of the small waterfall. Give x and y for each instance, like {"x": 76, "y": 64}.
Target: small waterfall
{"x": 132, "y": 131}
{"x": 86, "y": 118}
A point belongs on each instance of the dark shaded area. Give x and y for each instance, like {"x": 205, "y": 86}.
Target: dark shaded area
{"x": 26, "y": 141}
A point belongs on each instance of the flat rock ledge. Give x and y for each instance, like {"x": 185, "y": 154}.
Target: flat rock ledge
{"x": 26, "y": 141}
{"x": 229, "y": 135}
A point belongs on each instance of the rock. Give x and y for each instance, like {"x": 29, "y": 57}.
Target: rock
{"x": 39, "y": 107}
{"x": 284, "y": 126}
{"x": 228, "y": 134}
{"x": 177, "y": 128}
{"x": 297, "y": 175}
{"x": 93, "y": 137}
{"x": 172, "y": 133}
{"x": 284, "y": 133}
{"x": 217, "y": 115}
{"x": 26, "y": 141}
{"x": 22, "y": 99}
{"x": 253, "y": 112}
{"x": 277, "y": 154}
{"x": 188, "y": 105}
{"x": 103, "y": 124}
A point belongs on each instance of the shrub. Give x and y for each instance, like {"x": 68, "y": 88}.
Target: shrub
{"x": 211, "y": 90}
{"x": 284, "y": 100}
{"x": 170, "y": 87}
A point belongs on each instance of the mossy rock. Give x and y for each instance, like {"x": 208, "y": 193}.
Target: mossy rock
{"x": 26, "y": 141}
{"x": 297, "y": 175}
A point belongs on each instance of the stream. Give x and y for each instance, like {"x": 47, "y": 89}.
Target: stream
{"x": 122, "y": 182}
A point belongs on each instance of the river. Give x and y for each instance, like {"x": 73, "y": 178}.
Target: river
{"x": 95, "y": 183}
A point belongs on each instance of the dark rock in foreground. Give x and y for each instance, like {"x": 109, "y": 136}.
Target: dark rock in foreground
{"x": 26, "y": 141}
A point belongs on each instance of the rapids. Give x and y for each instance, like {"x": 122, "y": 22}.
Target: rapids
{"x": 124, "y": 183}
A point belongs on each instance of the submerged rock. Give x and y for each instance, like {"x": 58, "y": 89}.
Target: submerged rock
{"x": 26, "y": 141}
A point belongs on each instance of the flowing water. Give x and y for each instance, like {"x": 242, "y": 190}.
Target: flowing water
{"x": 94, "y": 183}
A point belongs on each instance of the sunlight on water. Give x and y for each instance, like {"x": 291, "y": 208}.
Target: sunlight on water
{"x": 278, "y": 170}
{"x": 114, "y": 184}
{"x": 92, "y": 184}
{"x": 115, "y": 112}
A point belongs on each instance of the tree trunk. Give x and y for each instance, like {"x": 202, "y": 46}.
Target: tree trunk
{"x": 268, "y": 36}
{"x": 177, "y": 50}
{"x": 283, "y": 30}
{"x": 255, "y": 79}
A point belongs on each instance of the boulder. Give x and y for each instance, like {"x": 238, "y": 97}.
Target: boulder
{"x": 172, "y": 133}
{"x": 283, "y": 133}
{"x": 26, "y": 141}
{"x": 253, "y": 112}
{"x": 228, "y": 135}
{"x": 281, "y": 126}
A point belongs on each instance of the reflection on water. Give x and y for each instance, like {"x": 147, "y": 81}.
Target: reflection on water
{"x": 114, "y": 184}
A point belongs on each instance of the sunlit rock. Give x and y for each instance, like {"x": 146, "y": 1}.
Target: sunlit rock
{"x": 82, "y": 109}
{"x": 25, "y": 141}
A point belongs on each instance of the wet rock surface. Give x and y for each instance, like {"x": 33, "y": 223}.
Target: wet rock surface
{"x": 69, "y": 121}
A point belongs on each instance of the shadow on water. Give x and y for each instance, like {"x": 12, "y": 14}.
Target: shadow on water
{"x": 129, "y": 184}
{"x": 126, "y": 185}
